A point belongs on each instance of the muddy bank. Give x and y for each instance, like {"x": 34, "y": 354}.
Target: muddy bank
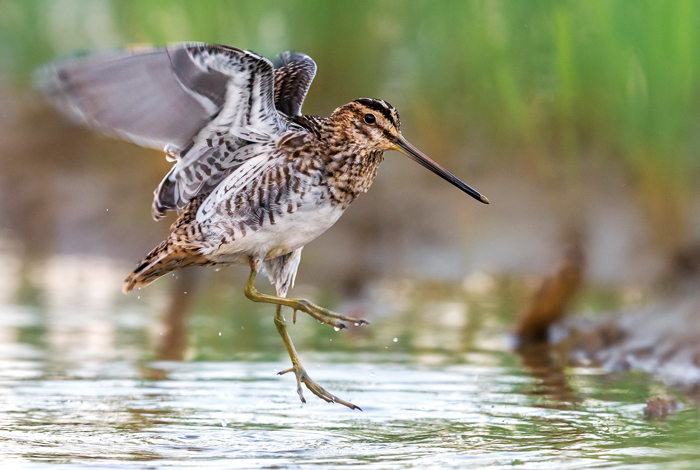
{"x": 663, "y": 339}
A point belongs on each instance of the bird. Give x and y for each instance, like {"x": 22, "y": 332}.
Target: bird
{"x": 253, "y": 179}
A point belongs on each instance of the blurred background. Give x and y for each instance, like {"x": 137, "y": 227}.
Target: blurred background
{"x": 578, "y": 120}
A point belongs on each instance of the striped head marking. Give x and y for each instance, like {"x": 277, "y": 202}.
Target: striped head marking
{"x": 372, "y": 123}
{"x": 375, "y": 125}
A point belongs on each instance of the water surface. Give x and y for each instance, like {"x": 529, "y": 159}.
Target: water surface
{"x": 81, "y": 383}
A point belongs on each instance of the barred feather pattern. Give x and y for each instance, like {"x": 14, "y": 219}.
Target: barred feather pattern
{"x": 271, "y": 190}
{"x": 294, "y": 73}
{"x": 299, "y": 184}
{"x": 249, "y": 115}
{"x": 210, "y": 161}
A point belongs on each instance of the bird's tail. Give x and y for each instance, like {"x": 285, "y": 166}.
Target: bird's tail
{"x": 161, "y": 260}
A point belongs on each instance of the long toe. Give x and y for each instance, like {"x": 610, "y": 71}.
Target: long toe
{"x": 328, "y": 317}
{"x": 323, "y": 394}
{"x": 315, "y": 388}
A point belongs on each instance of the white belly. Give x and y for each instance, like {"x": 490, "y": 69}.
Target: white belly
{"x": 288, "y": 233}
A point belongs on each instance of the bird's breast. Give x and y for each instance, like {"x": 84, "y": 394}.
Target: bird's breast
{"x": 289, "y": 232}
{"x": 352, "y": 172}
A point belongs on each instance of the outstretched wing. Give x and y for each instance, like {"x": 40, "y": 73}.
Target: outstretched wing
{"x": 294, "y": 73}
{"x": 214, "y": 154}
{"x": 163, "y": 97}
{"x": 136, "y": 95}
{"x": 249, "y": 105}
{"x": 248, "y": 115}
{"x": 200, "y": 102}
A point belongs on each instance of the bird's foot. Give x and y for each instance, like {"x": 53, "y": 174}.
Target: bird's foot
{"x": 326, "y": 316}
{"x": 319, "y": 313}
{"x": 315, "y": 388}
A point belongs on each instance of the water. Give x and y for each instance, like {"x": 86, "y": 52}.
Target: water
{"x": 239, "y": 415}
{"x": 81, "y": 384}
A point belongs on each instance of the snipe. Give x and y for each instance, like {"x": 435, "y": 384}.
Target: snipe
{"x": 254, "y": 180}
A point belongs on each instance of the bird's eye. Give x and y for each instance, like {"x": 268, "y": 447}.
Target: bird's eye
{"x": 370, "y": 119}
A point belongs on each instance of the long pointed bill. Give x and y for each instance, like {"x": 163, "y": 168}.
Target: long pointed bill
{"x": 404, "y": 147}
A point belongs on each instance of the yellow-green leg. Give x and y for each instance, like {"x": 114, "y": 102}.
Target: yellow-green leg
{"x": 281, "y": 325}
{"x": 298, "y": 369}
{"x": 319, "y": 313}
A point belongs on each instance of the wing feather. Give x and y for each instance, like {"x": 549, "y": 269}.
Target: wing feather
{"x": 248, "y": 115}
{"x": 249, "y": 106}
{"x": 293, "y": 76}
{"x": 132, "y": 95}
{"x": 263, "y": 156}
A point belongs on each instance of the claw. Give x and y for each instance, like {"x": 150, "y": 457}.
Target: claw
{"x": 315, "y": 388}
{"x": 294, "y": 316}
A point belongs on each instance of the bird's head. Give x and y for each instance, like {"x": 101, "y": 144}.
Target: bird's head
{"x": 375, "y": 125}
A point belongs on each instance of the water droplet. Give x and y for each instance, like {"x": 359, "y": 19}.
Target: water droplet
{"x": 331, "y": 339}
{"x": 396, "y": 339}
{"x": 357, "y": 324}
{"x": 336, "y": 328}
{"x": 138, "y": 297}
{"x": 106, "y": 210}
{"x": 219, "y": 333}
{"x": 185, "y": 292}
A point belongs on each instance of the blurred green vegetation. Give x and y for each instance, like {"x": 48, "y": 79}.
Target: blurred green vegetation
{"x": 551, "y": 83}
